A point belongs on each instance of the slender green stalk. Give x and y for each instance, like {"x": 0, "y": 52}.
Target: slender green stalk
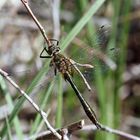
{"x": 9, "y": 129}
{"x": 11, "y": 106}
{"x": 43, "y": 103}
{"x": 59, "y": 103}
{"x": 111, "y": 115}
{"x": 115, "y": 79}
{"x": 123, "y": 36}
{"x": 18, "y": 105}
{"x": 81, "y": 23}
{"x": 99, "y": 79}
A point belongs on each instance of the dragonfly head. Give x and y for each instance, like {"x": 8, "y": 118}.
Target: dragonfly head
{"x": 53, "y": 49}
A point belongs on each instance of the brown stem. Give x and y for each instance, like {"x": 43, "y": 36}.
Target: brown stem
{"x": 42, "y": 113}
{"x": 37, "y": 22}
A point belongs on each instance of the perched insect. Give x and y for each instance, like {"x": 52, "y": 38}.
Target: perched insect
{"x": 66, "y": 67}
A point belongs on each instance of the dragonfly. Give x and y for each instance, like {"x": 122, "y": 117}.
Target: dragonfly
{"x": 96, "y": 47}
{"x": 66, "y": 67}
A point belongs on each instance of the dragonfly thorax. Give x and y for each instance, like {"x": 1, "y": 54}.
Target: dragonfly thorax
{"x": 53, "y": 50}
{"x": 62, "y": 64}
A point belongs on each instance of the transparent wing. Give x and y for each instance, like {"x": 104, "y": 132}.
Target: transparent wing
{"x": 89, "y": 49}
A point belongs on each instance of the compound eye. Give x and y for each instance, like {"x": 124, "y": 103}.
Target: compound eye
{"x": 57, "y": 49}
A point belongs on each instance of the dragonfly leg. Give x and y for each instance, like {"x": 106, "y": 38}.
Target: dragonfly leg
{"x": 55, "y": 70}
{"x": 43, "y": 56}
{"x": 52, "y": 39}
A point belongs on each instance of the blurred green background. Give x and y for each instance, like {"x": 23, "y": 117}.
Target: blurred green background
{"x": 102, "y": 33}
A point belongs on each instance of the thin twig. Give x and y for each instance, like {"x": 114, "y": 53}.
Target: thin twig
{"x": 110, "y": 130}
{"x": 82, "y": 76}
{"x": 37, "y": 22}
{"x": 121, "y": 133}
{"x": 6, "y": 20}
{"x": 43, "y": 114}
{"x": 80, "y": 125}
{"x": 67, "y": 131}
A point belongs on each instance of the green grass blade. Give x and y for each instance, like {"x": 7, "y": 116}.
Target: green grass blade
{"x": 59, "y": 103}
{"x": 9, "y": 130}
{"x": 43, "y": 101}
{"x": 11, "y": 106}
{"x": 18, "y": 105}
{"x": 121, "y": 60}
{"x": 81, "y": 23}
